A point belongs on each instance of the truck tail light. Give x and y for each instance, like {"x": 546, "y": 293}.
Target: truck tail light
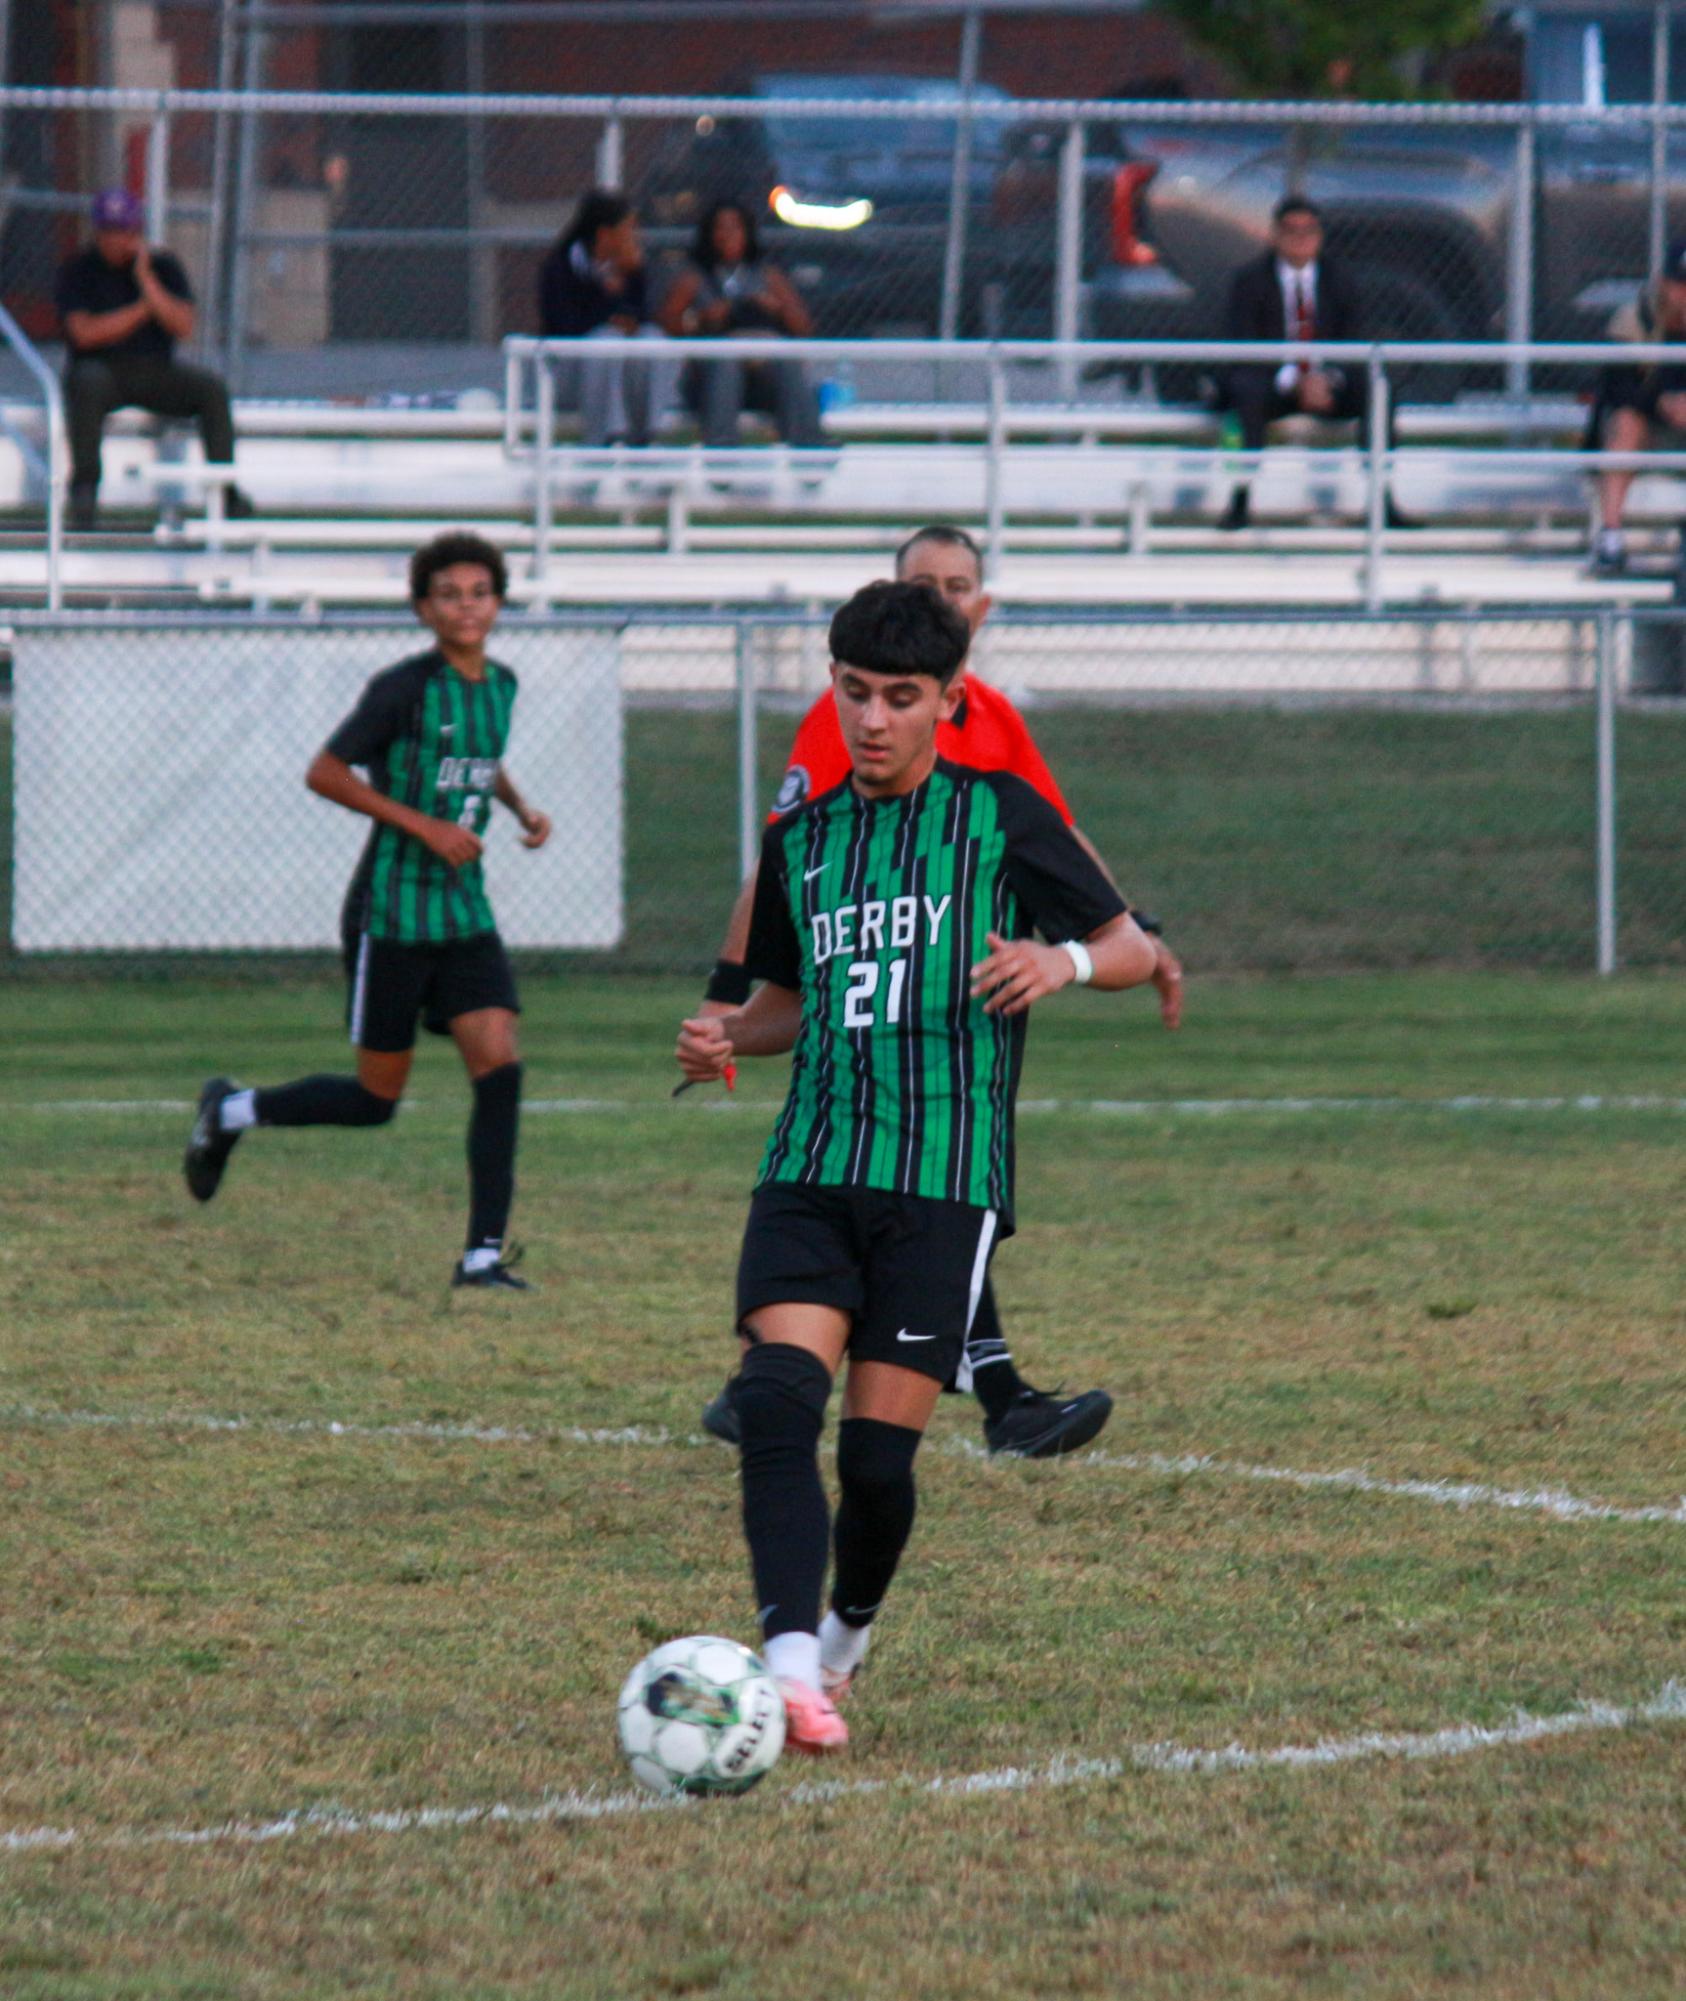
{"x": 1127, "y": 183}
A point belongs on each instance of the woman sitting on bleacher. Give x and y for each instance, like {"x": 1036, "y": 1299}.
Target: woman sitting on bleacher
{"x": 730, "y": 289}
{"x": 592, "y": 284}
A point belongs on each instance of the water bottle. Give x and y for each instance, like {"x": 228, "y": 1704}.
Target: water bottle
{"x": 838, "y": 391}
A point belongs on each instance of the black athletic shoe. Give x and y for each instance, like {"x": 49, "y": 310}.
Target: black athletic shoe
{"x": 208, "y": 1146}
{"x": 502, "y": 1274}
{"x": 1035, "y": 1426}
{"x": 720, "y": 1418}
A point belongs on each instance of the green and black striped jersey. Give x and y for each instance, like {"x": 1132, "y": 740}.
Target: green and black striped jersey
{"x": 433, "y": 739}
{"x": 876, "y": 911}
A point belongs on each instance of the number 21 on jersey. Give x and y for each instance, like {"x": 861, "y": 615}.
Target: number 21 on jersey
{"x": 862, "y": 990}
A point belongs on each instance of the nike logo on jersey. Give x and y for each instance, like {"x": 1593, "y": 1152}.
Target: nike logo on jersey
{"x": 809, "y": 874}
{"x": 904, "y": 1335}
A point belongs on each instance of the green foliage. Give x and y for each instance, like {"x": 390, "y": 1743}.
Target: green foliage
{"x": 1327, "y": 48}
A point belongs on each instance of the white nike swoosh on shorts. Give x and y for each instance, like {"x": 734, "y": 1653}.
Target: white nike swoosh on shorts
{"x": 904, "y": 1335}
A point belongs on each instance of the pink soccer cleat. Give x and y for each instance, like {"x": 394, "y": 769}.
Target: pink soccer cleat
{"x": 811, "y": 1721}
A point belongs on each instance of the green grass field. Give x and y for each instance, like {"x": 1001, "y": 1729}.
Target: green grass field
{"x": 204, "y": 1627}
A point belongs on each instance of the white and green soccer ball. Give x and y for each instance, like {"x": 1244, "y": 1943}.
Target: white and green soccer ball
{"x": 700, "y": 1716}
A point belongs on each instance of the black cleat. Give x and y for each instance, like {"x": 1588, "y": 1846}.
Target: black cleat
{"x": 720, "y": 1417}
{"x": 1036, "y": 1426}
{"x": 208, "y": 1146}
{"x": 503, "y": 1274}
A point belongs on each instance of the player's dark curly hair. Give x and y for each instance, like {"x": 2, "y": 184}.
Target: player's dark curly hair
{"x": 457, "y": 545}
{"x": 900, "y": 629}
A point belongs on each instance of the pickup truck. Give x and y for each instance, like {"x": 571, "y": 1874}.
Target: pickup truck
{"x": 1423, "y": 213}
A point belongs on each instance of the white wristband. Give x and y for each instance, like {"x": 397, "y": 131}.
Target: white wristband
{"x": 1082, "y": 966}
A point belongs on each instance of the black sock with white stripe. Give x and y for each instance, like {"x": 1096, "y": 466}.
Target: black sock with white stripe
{"x": 996, "y": 1384}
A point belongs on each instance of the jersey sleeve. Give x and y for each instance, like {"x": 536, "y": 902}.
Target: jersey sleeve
{"x": 1023, "y": 759}
{"x": 1061, "y": 888}
{"x": 819, "y": 760}
{"x": 774, "y": 951}
{"x": 381, "y": 716}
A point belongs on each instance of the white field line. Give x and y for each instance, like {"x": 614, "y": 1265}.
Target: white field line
{"x": 1123, "y": 1108}
{"x": 1553, "y": 1502}
{"x": 1460, "y": 1740}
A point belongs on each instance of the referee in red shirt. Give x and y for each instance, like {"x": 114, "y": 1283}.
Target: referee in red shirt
{"x": 986, "y": 734}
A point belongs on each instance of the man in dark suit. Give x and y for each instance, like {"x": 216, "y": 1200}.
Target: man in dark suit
{"x": 1293, "y": 292}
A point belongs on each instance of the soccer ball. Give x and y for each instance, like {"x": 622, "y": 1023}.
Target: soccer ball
{"x": 700, "y": 1716}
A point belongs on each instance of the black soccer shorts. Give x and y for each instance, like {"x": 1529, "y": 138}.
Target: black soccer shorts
{"x": 908, "y": 1269}
{"x": 391, "y": 985}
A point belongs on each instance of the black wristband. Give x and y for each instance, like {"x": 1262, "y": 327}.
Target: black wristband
{"x": 1151, "y": 925}
{"x": 729, "y": 982}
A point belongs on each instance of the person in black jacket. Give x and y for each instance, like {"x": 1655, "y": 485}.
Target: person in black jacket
{"x": 124, "y": 305}
{"x": 1293, "y": 292}
{"x": 594, "y": 282}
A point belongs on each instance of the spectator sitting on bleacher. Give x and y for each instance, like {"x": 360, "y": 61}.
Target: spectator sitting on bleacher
{"x": 1294, "y": 292}
{"x": 594, "y": 283}
{"x": 730, "y": 289}
{"x": 1640, "y": 405}
{"x": 124, "y": 305}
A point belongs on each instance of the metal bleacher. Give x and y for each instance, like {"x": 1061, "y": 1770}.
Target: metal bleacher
{"x": 1106, "y": 494}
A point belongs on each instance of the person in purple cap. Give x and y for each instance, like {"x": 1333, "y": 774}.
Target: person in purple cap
{"x": 124, "y": 305}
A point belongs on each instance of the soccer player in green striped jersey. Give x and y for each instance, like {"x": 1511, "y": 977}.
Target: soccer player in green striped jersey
{"x": 893, "y": 926}
{"x": 420, "y": 938}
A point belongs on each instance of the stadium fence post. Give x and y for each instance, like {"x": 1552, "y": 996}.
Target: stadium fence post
{"x": 1376, "y": 468}
{"x": 960, "y": 179}
{"x": 158, "y": 175}
{"x": 1658, "y": 216}
{"x": 611, "y": 153}
{"x": 1068, "y": 265}
{"x": 544, "y": 437}
{"x": 1519, "y": 273}
{"x": 995, "y": 510}
{"x": 749, "y": 825}
{"x": 1606, "y": 808}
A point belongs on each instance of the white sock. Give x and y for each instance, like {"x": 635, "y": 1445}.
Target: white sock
{"x": 237, "y": 1112}
{"x": 482, "y": 1259}
{"x": 794, "y": 1657}
{"x": 842, "y": 1646}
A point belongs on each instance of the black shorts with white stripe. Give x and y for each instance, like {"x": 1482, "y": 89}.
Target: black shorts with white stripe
{"x": 391, "y": 986}
{"x": 906, "y": 1269}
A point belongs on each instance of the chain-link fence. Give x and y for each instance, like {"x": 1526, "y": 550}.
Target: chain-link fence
{"x": 1306, "y": 793}
{"x": 316, "y": 223}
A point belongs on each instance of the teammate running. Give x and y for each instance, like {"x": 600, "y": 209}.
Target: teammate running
{"x": 892, "y": 925}
{"x": 419, "y": 936}
{"x": 986, "y": 733}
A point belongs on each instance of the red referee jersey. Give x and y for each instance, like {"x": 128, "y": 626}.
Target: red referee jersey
{"x": 986, "y": 734}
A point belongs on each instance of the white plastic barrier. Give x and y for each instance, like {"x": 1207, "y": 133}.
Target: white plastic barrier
{"x": 160, "y": 803}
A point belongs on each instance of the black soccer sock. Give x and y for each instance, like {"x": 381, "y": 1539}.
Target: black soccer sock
{"x": 491, "y": 1155}
{"x": 874, "y": 1515}
{"x": 995, "y": 1382}
{"x": 322, "y": 1101}
{"x": 781, "y": 1398}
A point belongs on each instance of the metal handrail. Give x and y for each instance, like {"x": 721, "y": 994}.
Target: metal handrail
{"x": 541, "y": 354}
{"x": 53, "y": 396}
